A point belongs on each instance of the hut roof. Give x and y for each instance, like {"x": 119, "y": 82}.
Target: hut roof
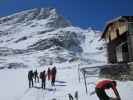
{"x": 121, "y": 18}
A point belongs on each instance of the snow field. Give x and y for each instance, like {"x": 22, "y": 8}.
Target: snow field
{"x": 14, "y": 85}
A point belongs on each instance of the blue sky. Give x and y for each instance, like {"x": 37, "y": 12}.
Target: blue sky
{"x": 82, "y": 13}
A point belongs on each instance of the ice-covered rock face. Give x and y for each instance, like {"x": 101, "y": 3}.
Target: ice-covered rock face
{"x": 55, "y": 20}
{"x": 41, "y": 36}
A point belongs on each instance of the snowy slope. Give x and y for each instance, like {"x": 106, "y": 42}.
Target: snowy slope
{"x": 14, "y": 85}
{"x": 45, "y": 35}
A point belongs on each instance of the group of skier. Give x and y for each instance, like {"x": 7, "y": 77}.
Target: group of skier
{"x": 50, "y": 74}
{"x": 34, "y": 77}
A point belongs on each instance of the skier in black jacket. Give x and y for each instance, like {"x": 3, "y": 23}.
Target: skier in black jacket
{"x": 30, "y": 78}
{"x": 36, "y": 76}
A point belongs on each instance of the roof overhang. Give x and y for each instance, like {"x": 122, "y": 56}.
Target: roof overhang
{"x": 121, "y": 18}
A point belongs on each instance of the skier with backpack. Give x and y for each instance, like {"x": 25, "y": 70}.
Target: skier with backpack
{"x": 36, "y": 76}
{"x": 43, "y": 79}
{"x": 49, "y": 73}
{"x": 30, "y": 78}
{"x": 54, "y": 71}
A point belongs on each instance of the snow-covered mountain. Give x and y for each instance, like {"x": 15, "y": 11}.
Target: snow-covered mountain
{"x": 41, "y": 36}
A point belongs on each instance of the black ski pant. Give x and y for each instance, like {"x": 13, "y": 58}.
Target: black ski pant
{"x": 43, "y": 84}
{"x": 101, "y": 94}
{"x": 31, "y": 83}
{"x": 53, "y": 81}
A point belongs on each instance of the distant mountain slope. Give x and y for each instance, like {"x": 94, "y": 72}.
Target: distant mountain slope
{"x": 42, "y": 36}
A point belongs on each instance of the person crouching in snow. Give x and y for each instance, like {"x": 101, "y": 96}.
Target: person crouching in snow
{"x": 106, "y": 84}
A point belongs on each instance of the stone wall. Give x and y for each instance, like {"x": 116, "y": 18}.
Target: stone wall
{"x": 117, "y": 72}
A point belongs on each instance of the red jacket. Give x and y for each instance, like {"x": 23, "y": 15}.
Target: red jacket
{"x": 104, "y": 84}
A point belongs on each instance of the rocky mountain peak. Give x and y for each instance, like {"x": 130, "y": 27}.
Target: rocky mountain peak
{"x": 54, "y": 19}
{"x": 41, "y": 35}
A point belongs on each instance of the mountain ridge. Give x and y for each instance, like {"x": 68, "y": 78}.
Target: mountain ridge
{"x": 44, "y": 35}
